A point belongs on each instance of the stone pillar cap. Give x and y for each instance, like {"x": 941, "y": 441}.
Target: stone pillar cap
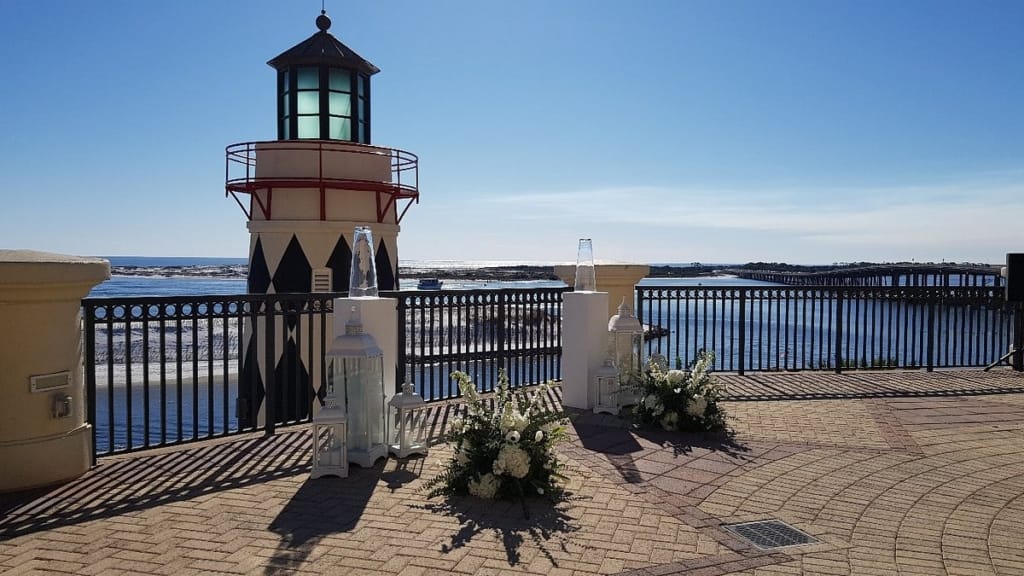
{"x": 32, "y": 267}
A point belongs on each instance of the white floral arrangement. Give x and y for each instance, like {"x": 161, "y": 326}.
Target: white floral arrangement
{"x": 682, "y": 399}
{"x": 503, "y": 446}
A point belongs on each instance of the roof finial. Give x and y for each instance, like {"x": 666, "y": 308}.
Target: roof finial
{"x": 322, "y": 21}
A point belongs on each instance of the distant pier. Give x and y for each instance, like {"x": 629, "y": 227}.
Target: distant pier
{"x": 883, "y": 275}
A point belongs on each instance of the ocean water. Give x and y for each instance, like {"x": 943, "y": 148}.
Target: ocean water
{"x": 186, "y": 276}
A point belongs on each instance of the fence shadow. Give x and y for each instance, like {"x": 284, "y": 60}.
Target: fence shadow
{"x": 121, "y": 486}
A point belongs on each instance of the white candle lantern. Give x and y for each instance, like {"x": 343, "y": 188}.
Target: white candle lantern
{"x": 606, "y": 389}
{"x": 626, "y": 340}
{"x": 330, "y": 439}
{"x": 356, "y": 366}
{"x": 408, "y": 413}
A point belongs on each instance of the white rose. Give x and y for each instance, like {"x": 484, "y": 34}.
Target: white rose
{"x": 512, "y": 437}
{"x": 538, "y": 437}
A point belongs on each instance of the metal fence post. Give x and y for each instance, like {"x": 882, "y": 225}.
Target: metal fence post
{"x": 839, "y": 331}
{"x": 400, "y": 379}
{"x": 90, "y": 371}
{"x": 930, "y": 346}
{"x": 1018, "y": 338}
{"x": 503, "y": 300}
{"x": 743, "y": 329}
{"x": 270, "y": 357}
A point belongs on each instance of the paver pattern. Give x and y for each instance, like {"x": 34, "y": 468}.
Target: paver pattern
{"x": 890, "y": 484}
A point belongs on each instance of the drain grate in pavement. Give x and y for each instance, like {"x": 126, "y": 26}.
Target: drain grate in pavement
{"x": 770, "y": 534}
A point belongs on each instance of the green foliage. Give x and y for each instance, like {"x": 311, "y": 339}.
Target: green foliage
{"x": 681, "y": 399}
{"x": 503, "y": 446}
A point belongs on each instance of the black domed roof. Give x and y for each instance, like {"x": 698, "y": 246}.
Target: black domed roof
{"x": 322, "y": 48}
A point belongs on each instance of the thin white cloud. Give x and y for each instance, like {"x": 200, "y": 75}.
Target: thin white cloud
{"x": 837, "y": 215}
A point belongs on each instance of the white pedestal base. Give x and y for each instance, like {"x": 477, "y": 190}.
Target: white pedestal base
{"x": 584, "y": 345}
{"x": 366, "y": 459}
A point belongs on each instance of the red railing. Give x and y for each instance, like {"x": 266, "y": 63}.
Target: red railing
{"x": 240, "y": 176}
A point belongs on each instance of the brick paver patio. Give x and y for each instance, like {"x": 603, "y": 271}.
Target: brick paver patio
{"x": 893, "y": 473}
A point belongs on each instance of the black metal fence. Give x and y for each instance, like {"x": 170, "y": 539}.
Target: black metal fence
{"x": 167, "y": 370}
{"x": 828, "y": 328}
{"x": 480, "y": 332}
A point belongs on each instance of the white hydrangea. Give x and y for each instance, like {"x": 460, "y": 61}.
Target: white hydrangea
{"x": 486, "y": 487}
{"x": 676, "y": 377}
{"x": 697, "y": 406}
{"x": 513, "y": 461}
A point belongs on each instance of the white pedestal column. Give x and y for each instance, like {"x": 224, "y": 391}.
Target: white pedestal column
{"x": 44, "y": 438}
{"x": 380, "y": 318}
{"x": 584, "y": 345}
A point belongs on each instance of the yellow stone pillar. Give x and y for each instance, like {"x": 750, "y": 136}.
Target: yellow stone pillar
{"x": 618, "y": 280}
{"x": 44, "y": 438}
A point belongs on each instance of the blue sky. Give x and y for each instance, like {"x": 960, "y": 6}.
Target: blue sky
{"x": 666, "y": 130}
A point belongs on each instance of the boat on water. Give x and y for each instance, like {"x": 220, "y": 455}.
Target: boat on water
{"x": 429, "y": 284}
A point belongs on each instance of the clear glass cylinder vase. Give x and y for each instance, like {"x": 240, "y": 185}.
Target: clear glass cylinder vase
{"x": 586, "y": 279}
{"x": 363, "y": 278}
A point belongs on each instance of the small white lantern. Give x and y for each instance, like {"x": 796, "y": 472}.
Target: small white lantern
{"x": 606, "y": 389}
{"x": 626, "y": 341}
{"x": 356, "y": 366}
{"x": 407, "y": 418}
{"x": 329, "y": 439}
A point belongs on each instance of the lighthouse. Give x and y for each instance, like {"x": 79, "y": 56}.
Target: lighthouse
{"x": 304, "y": 194}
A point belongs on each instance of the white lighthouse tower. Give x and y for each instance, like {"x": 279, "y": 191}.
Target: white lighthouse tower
{"x": 306, "y": 192}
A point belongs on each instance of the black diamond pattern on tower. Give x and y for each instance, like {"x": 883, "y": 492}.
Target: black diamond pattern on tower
{"x": 250, "y": 389}
{"x": 385, "y": 274}
{"x": 293, "y": 274}
{"x": 340, "y": 264}
{"x": 259, "y": 275}
{"x": 293, "y": 391}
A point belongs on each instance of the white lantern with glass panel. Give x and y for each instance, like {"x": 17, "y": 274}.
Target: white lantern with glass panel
{"x": 626, "y": 339}
{"x": 407, "y": 418}
{"x": 329, "y": 439}
{"x": 356, "y": 366}
{"x": 606, "y": 389}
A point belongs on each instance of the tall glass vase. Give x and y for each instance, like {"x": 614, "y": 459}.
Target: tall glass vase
{"x": 363, "y": 281}
{"x": 586, "y": 280}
